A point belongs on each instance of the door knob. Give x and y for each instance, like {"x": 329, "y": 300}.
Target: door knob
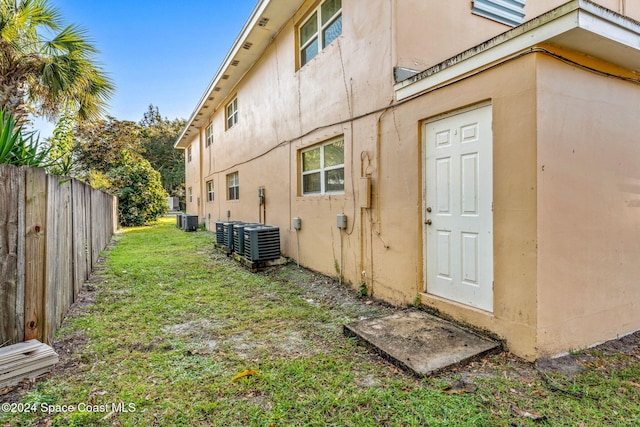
{"x": 428, "y": 222}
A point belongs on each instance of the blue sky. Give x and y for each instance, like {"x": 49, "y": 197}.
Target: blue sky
{"x": 157, "y": 52}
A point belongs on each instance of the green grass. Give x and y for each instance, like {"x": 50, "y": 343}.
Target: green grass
{"x": 174, "y": 321}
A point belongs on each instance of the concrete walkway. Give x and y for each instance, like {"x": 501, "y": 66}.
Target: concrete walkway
{"x": 419, "y": 342}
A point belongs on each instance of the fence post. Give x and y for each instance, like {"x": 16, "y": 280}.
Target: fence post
{"x": 35, "y": 252}
{"x": 10, "y": 321}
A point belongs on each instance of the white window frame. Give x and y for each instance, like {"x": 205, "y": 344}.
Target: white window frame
{"x": 210, "y": 191}
{"x": 232, "y": 113}
{"x": 190, "y": 194}
{"x": 319, "y": 34}
{"x": 189, "y": 154}
{"x": 233, "y": 186}
{"x": 321, "y": 170}
{"x": 209, "y": 134}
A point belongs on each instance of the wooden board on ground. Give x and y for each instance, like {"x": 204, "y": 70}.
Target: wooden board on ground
{"x": 28, "y": 359}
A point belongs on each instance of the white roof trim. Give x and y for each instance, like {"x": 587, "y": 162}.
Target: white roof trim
{"x": 229, "y": 74}
{"x": 575, "y": 15}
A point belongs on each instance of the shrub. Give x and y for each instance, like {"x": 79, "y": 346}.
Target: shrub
{"x": 141, "y": 197}
{"x": 17, "y": 147}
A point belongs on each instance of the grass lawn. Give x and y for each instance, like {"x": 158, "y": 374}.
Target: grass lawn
{"x": 180, "y": 335}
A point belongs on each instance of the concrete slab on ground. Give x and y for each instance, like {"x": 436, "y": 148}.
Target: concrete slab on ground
{"x": 419, "y": 342}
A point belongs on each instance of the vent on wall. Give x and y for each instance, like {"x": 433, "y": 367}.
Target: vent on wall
{"x": 510, "y": 12}
{"x": 261, "y": 243}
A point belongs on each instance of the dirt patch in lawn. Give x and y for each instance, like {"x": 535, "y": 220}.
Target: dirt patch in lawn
{"x": 329, "y": 294}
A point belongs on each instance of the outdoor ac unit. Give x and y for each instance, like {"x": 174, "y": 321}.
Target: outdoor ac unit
{"x": 219, "y": 232}
{"x": 227, "y": 230}
{"x": 179, "y": 221}
{"x": 238, "y": 236}
{"x": 190, "y": 222}
{"x": 261, "y": 243}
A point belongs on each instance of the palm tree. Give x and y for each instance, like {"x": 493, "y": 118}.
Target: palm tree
{"x": 45, "y": 75}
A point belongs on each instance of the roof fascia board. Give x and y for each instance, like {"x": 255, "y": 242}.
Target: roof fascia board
{"x": 249, "y": 25}
{"x": 481, "y": 56}
{"x": 575, "y": 14}
{"x": 621, "y": 32}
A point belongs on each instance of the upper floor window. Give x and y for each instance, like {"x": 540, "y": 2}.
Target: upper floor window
{"x": 189, "y": 155}
{"x": 510, "y": 12}
{"x": 321, "y": 28}
{"x": 232, "y": 113}
{"x": 323, "y": 168}
{"x": 190, "y": 194}
{"x": 210, "y": 191}
{"x": 233, "y": 186}
{"x": 209, "y": 134}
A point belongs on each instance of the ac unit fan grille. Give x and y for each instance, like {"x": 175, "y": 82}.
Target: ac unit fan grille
{"x": 227, "y": 229}
{"x": 238, "y": 236}
{"x": 262, "y": 243}
{"x": 190, "y": 222}
{"x": 219, "y": 232}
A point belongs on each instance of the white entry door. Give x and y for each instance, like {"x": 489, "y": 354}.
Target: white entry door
{"x": 458, "y": 205}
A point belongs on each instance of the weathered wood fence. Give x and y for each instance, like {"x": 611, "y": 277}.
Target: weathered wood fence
{"x": 52, "y": 230}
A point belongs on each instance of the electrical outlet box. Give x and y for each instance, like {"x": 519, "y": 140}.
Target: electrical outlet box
{"x": 341, "y": 221}
{"x": 297, "y": 223}
{"x": 365, "y": 192}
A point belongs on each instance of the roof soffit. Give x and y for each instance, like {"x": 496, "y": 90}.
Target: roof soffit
{"x": 263, "y": 25}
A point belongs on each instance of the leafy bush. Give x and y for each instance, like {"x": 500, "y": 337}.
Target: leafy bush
{"x": 141, "y": 197}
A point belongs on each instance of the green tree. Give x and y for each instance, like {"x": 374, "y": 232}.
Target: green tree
{"x": 40, "y": 74}
{"x": 62, "y": 143}
{"x": 101, "y": 142}
{"x": 141, "y": 197}
{"x": 110, "y": 156}
{"x": 157, "y": 138}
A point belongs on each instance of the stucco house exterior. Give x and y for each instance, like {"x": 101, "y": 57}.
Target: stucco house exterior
{"x": 486, "y": 155}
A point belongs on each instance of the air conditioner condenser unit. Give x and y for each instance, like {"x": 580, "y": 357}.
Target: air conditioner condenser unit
{"x": 190, "y": 222}
{"x": 238, "y": 236}
{"x": 261, "y": 243}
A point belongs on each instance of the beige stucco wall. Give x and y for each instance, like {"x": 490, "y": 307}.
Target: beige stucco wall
{"x": 283, "y": 110}
{"x": 428, "y": 33}
{"x": 425, "y": 38}
{"x": 192, "y": 171}
{"x": 589, "y": 199}
{"x": 514, "y": 186}
{"x": 344, "y": 92}
{"x": 566, "y": 202}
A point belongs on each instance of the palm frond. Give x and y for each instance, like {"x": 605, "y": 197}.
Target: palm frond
{"x": 57, "y": 71}
{"x": 72, "y": 38}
